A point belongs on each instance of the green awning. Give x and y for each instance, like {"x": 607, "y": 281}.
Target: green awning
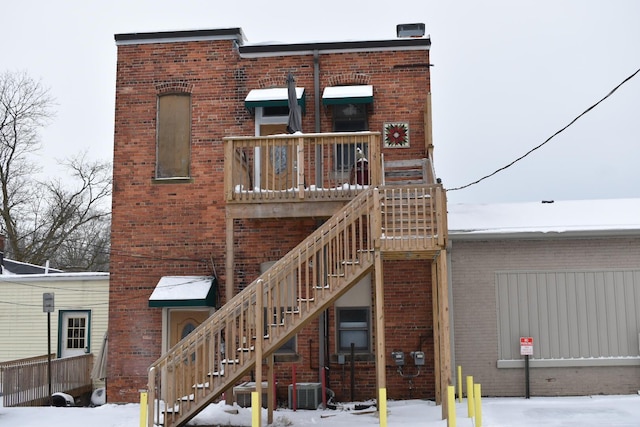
{"x": 273, "y": 97}
{"x": 357, "y": 94}
{"x": 185, "y": 291}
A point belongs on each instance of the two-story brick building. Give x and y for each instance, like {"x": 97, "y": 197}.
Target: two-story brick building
{"x": 214, "y": 199}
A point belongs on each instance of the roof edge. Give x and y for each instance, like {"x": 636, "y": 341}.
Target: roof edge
{"x": 412, "y": 43}
{"x": 476, "y": 235}
{"x": 182, "y": 35}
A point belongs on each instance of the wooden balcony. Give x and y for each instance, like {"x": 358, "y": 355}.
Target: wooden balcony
{"x": 314, "y": 175}
{"x": 299, "y": 175}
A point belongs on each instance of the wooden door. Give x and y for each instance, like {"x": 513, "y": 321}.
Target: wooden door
{"x": 181, "y": 324}
{"x": 277, "y": 162}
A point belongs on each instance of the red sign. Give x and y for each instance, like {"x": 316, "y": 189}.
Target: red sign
{"x": 526, "y": 346}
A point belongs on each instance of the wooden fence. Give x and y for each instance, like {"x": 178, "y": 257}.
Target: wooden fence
{"x": 25, "y": 382}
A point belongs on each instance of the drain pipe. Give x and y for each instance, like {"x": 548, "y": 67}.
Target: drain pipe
{"x": 322, "y": 324}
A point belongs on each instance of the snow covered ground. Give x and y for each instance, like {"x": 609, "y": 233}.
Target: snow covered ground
{"x": 600, "y": 411}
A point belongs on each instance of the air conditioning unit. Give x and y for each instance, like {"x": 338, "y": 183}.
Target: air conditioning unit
{"x": 242, "y": 394}
{"x": 309, "y": 395}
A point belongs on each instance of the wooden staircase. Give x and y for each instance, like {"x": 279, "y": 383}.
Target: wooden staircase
{"x": 272, "y": 309}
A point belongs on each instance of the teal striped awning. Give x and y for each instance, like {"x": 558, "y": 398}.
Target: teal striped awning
{"x": 273, "y": 97}
{"x": 357, "y": 94}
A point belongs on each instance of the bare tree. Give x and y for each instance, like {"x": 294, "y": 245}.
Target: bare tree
{"x": 40, "y": 219}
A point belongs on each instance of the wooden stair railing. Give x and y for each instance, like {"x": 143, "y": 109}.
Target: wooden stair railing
{"x": 219, "y": 352}
{"x": 307, "y": 280}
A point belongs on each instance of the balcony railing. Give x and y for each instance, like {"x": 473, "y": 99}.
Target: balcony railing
{"x": 290, "y": 168}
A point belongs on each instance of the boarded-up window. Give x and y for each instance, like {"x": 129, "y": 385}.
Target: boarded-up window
{"x": 174, "y": 136}
{"x": 572, "y": 315}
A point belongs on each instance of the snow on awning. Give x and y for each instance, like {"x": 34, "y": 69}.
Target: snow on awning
{"x": 358, "y": 94}
{"x": 184, "y": 291}
{"x": 273, "y": 97}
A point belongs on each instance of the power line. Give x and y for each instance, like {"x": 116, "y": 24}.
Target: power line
{"x": 551, "y": 137}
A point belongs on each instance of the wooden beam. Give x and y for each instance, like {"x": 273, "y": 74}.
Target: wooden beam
{"x": 436, "y": 329}
{"x": 380, "y": 334}
{"x": 445, "y": 332}
{"x": 290, "y": 209}
{"x": 228, "y": 286}
{"x": 258, "y": 345}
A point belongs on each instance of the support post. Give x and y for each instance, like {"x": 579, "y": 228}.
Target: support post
{"x": 470, "y": 401}
{"x": 256, "y": 397}
{"x": 526, "y": 376}
{"x": 445, "y": 334}
{"x": 228, "y": 292}
{"x": 143, "y": 408}
{"x": 451, "y": 405}
{"x": 477, "y": 396}
{"x": 381, "y": 374}
{"x": 271, "y": 392}
{"x": 459, "y": 378}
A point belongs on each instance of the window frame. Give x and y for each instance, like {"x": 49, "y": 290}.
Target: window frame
{"x": 343, "y": 348}
{"x": 173, "y": 136}
{"x": 340, "y": 123}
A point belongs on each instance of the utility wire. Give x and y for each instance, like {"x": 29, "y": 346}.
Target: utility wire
{"x": 550, "y": 138}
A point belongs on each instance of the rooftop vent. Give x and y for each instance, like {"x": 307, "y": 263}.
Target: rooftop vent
{"x": 410, "y": 30}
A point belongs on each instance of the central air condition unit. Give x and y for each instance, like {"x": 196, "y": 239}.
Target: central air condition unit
{"x": 242, "y": 394}
{"x": 309, "y": 395}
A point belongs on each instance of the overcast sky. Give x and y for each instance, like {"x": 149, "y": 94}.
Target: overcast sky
{"x": 506, "y": 76}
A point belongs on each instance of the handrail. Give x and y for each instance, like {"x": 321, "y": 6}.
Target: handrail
{"x": 317, "y": 166}
{"x": 26, "y": 384}
{"x": 219, "y": 352}
{"x": 222, "y": 349}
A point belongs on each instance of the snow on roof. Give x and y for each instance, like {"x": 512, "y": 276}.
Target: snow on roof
{"x": 355, "y": 91}
{"x": 270, "y": 94}
{"x": 171, "y": 288}
{"x": 606, "y": 215}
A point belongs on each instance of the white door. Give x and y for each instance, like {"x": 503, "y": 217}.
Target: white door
{"x": 74, "y": 333}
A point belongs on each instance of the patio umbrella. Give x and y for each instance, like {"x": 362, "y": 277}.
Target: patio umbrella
{"x": 295, "y": 117}
{"x": 99, "y": 371}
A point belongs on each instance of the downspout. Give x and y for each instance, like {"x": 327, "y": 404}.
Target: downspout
{"x": 316, "y": 88}
{"x": 324, "y": 316}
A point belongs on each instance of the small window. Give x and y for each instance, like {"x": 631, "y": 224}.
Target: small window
{"x": 76, "y": 329}
{"x": 353, "y": 327}
{"x": 348, "y": 118}
{"x": 173, "y": 136}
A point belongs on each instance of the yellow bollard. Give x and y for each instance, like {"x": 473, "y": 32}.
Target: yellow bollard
{"x": 459, "y": 383}
{"x": 470, "y": 396}
{"x": 382, "y": 407}
{"x": 477, "y": 396}
{"x": 255, "y": 409}
{"x": 143, "y": 408}
{"x": 451, "y": 406}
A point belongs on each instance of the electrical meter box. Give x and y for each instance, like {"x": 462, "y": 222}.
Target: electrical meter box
{"x": 398, "y": 357}
{"x": 418, "y": 358}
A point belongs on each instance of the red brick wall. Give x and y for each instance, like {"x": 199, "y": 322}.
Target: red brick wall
{"x": 163, "y": 229}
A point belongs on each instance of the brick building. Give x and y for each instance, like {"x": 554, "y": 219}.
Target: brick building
{"x": 211, "y": 193}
